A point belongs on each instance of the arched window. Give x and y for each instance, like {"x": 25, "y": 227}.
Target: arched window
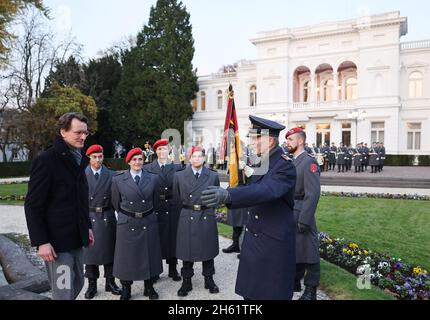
{"x": 219, "y": 99}
{"x": 351, "y": 89}
{"x": 195, "y": 104}
{"x": 306, "y": 91}
{"x": 328, "y": 90}
{"x": 253, "y": 96}
{"x": 203, "y": 101}
{"x": 415, "y": 85}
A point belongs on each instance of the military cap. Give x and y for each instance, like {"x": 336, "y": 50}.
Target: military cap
{"x": 95, "y": 148}
{"x": 132, "y": 153}
{"x": 160, "y": 143}
{"x": 259, "y": 124}
{"x": 194, "y": 149}
{"x": 293, "y": 131}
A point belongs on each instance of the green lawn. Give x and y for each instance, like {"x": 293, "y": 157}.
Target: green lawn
{"x": 13, "y": 189}
{"x": 339, "y": 284}
{"x": 400, "y": 228}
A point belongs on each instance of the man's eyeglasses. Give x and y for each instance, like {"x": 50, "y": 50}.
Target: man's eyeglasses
{"x": 80, "y": 133}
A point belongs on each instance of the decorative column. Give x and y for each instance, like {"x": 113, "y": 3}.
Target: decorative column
{"x": 313, "y": 89}
{"x": 335, "y": 93}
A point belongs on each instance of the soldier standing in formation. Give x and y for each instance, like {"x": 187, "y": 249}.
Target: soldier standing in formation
{"x": 381, "y": 156}
{"x": 365, "y": 152}
{"x": 148, "y": 152}
{"x": 307, "y": 194}
{"x": 166, "y": 208}
{"x": 103, "y": 221}
{"x": 358, "y": 158}
{"x": 137, "y": 250}
{"x": 268, "y": 257}
{"x": 341, "y": 157}
{"x": 332, "y": 157}
{"x": 374, "y": 158}
{"x": 197, "y": 236}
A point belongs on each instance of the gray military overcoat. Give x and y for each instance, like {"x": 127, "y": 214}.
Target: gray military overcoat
{"x": 307, "y": 194}
{"x": 137, "y": 250}
{"x": 197, "y": 236}
{"x": 103, "y": 223}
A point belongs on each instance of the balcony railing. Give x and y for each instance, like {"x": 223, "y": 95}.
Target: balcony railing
{"x": 324, "y": 104}
{"x": 416, "y": 44}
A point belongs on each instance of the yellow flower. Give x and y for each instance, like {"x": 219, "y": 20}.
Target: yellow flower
{"x": 365, "y": 252}
{"x": 359, "y": 252}
{"x": 417, "y": 270}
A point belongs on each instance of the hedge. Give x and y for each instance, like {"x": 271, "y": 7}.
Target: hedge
{"x": 22, "y": 169}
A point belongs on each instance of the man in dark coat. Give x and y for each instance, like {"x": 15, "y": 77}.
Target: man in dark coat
{"x": 103, "y": 220}
{"x": 332, "y": 157}
{"x": 137, "y": 248}
{"x": 307, "y": 194}
{"x": 166, "y": 208}
{"x": 56, "y": 207}
{"x": 197, "y": 238}
{"x": 365, "y": 152}
{"x": 268, "y": 256}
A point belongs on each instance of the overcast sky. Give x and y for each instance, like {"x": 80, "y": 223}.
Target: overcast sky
{"x": 221, "y": 28}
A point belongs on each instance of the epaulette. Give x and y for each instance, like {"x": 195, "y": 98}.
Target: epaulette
{"x": 311, "y": 155}
{"x": 285, "y": 157}
{"x": 118, "y": 173}
{"x": 212, "y": 169}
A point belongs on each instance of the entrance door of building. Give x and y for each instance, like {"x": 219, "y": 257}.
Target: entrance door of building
{"x": 323, "y": 134}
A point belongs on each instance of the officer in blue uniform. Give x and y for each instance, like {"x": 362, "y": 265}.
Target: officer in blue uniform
{"x": 166, "y": 208}
{"x": 268, "y": 256}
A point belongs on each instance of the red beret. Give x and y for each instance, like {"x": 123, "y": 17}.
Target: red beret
{"x": 293, "y": 131}
{"x": 194, "y": 149}
{"x": 132, "y": 153}
{"x": 160, "y": 143}
{"x": 95, "y": 148}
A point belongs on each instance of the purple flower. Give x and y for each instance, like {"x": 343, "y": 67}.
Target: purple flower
{"x": 407, "y": 286}
{"x": 398, "y": 265}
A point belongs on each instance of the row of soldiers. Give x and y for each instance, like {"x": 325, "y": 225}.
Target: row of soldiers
{"x": 345, "y": 157}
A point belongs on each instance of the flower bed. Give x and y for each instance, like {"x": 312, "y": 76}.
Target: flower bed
{"x": 376, "y": 195}
{"x": 389, "y": 273}
{"x": 12, "y": 198}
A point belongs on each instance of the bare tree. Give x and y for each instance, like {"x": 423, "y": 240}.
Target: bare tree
{"x": 33, "y": 55}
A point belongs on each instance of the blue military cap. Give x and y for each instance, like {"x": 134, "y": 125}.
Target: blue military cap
{"x": 259, "y": 123}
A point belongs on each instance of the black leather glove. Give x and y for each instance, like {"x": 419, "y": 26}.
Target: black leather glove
{"x": 214, "y": 196}
{"x": 302, "y": 227}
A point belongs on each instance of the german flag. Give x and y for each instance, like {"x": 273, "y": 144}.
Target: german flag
{"x": 230, "y": 148}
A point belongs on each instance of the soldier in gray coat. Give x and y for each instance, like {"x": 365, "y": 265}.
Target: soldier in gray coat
{"x": 197, "y": 238}
{"x": 167, "y": 209}
{"x": 307, "y": 194}
{"x": 137, "y": 250}
{"x": 374, "y": 158}
{"x": 103, "y": 221}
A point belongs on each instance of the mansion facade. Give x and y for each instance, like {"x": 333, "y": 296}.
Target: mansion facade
{"x": 346, "y": 81}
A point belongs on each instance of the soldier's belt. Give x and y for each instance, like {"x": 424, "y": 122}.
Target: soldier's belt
{"x": 137, "y": 215}
{"x": 165, "y": 196}
{"x": 100, "y": 209}
{"x": 195, "y": 207}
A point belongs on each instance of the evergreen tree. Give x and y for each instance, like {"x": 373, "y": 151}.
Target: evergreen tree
{"x": 158, "y": 81}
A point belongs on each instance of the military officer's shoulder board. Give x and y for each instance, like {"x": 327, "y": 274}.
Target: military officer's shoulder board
{"x": 285, "y": 157}
{"x": 118, "y": 173}
{"x": 311, "y": 155}
{"x": 214, "y": 170}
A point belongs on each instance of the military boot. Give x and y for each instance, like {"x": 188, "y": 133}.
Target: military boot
{"x": 126, "y": 292}
{"x": 210, "y": 284}
{"x": 309, "y": 294}
{"x": 112, "y": 287}
{"x": 92, "y": 289}
{"x": 149, "y": 290}
{"x": 186, "y": 287}
{"x": 173, "y": 273}
{"x": 233, "y": 248}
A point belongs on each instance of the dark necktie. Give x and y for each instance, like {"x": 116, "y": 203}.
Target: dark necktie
{"x": 96, "y": 175}
{"x": 196, "y": 175}
{"x": 162, "y": 168}
{"x": 137, "y": 179}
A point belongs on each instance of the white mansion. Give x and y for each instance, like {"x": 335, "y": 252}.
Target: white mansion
{"x": 348, "y": 81}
